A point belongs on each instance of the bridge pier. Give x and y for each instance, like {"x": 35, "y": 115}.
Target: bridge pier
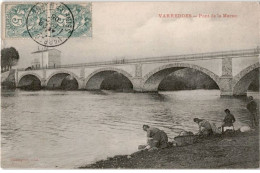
{"x": 43, "y": 83}
{"x": 16, "y": 78}
{"x": 44, "y": 79}
{"x": 137, "y": 81}
{"x": 137, "y": 84}
{"x": 81, "y": 81}
{"x": 226, "y": 86}
{"x": 226, "y": 78}
{"x": 81, "y": 84}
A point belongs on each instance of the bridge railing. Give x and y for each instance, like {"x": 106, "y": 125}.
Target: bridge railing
{"x": 186, "y": 57}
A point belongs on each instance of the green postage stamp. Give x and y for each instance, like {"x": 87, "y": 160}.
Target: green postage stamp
{"x": 24, "y": 20}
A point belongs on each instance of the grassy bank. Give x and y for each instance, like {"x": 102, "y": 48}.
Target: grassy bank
{"x": 237, "y": 150}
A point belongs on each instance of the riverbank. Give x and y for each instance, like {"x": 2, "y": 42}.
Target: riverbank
{"x": 237, "y": 150}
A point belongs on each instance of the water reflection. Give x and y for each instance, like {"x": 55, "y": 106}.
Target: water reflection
{"x": 158, "y": 97}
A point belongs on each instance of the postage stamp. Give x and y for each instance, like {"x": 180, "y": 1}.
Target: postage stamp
{"x": 15, "y": 20}
{"x": 82, "y": 14}
{"x": 27, "y": 20}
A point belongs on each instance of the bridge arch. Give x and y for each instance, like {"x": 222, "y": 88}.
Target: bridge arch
{"x": 56, "y": 78}
{"x": 29, "y": 80}
{"x": 152, "y": 80}
{"x": 242, "y": 80}
{"x": 95, "y": 79}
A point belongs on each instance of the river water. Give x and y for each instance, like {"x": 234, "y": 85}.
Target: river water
{"x": 68, "y": 129}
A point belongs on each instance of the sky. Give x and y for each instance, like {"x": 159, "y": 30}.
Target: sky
{"x": 135, "y": 30}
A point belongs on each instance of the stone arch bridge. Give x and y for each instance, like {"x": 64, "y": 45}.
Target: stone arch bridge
{"x": 233, "y": 71}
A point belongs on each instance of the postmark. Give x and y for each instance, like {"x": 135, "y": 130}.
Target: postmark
{"x": 15, "y": 15}
{"x": 50, "y": 24}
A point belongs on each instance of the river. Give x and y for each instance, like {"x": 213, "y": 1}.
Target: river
{"x": 68, "y": 129}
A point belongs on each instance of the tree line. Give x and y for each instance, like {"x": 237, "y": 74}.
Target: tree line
{"x": 9, "y": 58}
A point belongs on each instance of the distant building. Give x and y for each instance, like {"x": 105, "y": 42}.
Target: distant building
{"x": 46, "y": 58}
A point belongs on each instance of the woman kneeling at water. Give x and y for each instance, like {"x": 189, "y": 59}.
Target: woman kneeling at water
{"x": 204, "y": 127}
{"x": 156, "y": 137}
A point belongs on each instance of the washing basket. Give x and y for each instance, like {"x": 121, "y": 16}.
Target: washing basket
{"x": 185, "y": 139}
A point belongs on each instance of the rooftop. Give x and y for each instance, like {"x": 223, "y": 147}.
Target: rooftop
{"x": 46, "y": 50}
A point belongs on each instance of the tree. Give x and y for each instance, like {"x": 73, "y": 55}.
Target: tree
{"x": 9, "y": 57}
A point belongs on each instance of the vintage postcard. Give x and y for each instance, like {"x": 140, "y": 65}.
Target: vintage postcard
{"x": 129, "y": 85}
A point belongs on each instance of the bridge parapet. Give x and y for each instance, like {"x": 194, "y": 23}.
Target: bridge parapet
{"x": 164, "y": 59}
